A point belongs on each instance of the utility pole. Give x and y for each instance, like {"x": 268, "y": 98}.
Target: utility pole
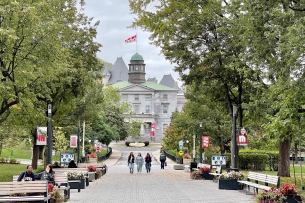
{"x": 49, "y": 134}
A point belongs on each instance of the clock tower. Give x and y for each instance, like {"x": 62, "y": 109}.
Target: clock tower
{"x": 136, "y": 70}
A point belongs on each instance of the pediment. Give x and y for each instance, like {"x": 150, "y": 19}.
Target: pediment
{"x": 137, "y": 88}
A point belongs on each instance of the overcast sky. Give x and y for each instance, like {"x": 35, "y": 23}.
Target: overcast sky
{"x": 115, "y": 17}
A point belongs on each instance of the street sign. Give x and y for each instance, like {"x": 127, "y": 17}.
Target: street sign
{"x": 180, "y": 152}
{"x": 98, "y": 148}
{"x": 218, "y": 160}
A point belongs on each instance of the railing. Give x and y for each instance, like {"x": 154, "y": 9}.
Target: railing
{"x": 106, "y": 156}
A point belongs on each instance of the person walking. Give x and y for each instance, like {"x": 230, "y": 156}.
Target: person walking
{"x": 139, "y": 162}
{"x": 131, "y": 162}
{"x": 27, "y": 175}
{"x": 148, "y": 162}
{"x": 162, "y": 159}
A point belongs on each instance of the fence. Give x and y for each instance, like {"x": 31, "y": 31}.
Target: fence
{"x": 106, "y": 156}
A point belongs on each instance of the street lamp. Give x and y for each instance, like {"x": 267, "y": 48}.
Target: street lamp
{"x": 200, "y": 139}
{"x": 49, "y": 134}
{"x": 234, "y": 137}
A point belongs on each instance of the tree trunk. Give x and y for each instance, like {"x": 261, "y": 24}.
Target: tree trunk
{"x": 222, "y": 148}
{"x": 0, "y": 148}
{"x": 284, "y": 154}
{"x": 41, "y": 152}
{"x": 35, "y": 155}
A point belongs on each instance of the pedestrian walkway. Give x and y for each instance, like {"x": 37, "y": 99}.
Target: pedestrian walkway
{"x": 168, "y": 185}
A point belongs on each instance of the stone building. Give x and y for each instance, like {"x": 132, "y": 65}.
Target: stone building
{"x": 152, "y": 103}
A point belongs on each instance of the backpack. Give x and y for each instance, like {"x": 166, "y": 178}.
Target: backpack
{"x": 162, "y": 157}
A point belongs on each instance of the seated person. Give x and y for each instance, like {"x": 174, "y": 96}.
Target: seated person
{"x": 72, "y": 164}
{"x": 48, "y": 174}
{"x": 27, "y": 175}
{"x": 56, "y": 165}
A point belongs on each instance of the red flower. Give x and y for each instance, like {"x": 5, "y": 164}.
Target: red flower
{"x": 91, "y": 168}
{"x": 50, "y": 187}
{"x": 288, "y": 189}
{"x": 205, "y": 169}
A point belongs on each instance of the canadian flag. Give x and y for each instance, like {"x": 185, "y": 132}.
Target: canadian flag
{"x": 131, "y": 39}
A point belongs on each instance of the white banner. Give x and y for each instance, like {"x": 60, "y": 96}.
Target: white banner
{"x": 41, "y": 138}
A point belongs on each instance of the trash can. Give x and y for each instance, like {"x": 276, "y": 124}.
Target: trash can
{"x": 193, "y": 165}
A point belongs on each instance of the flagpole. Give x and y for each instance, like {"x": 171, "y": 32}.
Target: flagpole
{"x": 136, "y": 42}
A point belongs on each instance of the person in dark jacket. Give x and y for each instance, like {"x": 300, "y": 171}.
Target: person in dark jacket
{"x": 162, "y": 159}
{"x": 148, "y": 162}
{"x": 72, "y": 164}
{"x": 27, "y": 175}
{"x": 56, "y": 165}
{"x": 48, "y": 174}
{"x": 131, "y": 162}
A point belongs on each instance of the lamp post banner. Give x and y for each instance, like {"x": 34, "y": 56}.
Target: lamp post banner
{"x": 152, "y": 130}
{"x": 73, "y": 141}
{"x": 205, "y": 141}
{"x": 242, "y": 138}
{"x": 41, "y": 138}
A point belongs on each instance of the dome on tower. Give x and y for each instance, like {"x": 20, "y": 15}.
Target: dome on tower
{"x": 137, "y": 57}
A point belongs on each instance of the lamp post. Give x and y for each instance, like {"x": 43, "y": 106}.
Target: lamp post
{"x": 234, "y": 137}
{"x": 49, "y": 134}
{"x": 200, "y": 141}
{"x": 78, "y": 137}
{"x": 194, "y": 148}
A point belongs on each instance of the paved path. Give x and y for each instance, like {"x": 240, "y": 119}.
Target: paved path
{"x": 168, "y": 185}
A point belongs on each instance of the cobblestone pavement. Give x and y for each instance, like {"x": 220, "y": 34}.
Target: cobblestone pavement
{"x": 168, "y": 185}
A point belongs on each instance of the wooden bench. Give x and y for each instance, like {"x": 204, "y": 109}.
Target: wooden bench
{"x": 216, "y": 173}
{"x": 260, "y": 181}
{"x": 9, "y": 189}
{"x": 65, "y": 170}
{"x": 62, "y": 183}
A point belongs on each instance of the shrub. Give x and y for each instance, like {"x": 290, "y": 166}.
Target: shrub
{"x": 2, "y": 160}
{"x": 99, "y": 173}
{"x": 196, "y": 175}
{"x": 13, "y": 161}
{"x": 233, "y": 175}
{"x": 91, "y": 168}
{"x": 288, "y": 189}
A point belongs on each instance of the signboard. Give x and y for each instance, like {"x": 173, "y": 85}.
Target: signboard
{"x": 180, "y": 152}
{"x": 205, "y": 141}
{"x": 66, "y": 157}
{"x": 218, "y": 160}
{"x": 152, "y": 130}
{"x": 73, "y": 141}
{"x": 41, "y": 138}
{"x": 180, "y": 145}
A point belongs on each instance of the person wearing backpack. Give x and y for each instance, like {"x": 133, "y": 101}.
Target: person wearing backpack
{"x": 148, "y": 162}
{"x": 162, "y": 159}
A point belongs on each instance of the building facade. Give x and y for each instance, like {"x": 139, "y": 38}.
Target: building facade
{"x": 152, "y": 103}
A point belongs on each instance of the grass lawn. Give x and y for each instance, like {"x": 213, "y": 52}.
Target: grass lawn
{"x": 8, "y": 170}
{"x": 20, "y": 153}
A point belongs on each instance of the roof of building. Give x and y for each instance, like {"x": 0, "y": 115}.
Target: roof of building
{"x": 137, "y": 57}
{"x": 119, "y": 71}
{"x": 106, "y": 71}
{"x": 149, "y": 84}
{"x": 168, "y": 81}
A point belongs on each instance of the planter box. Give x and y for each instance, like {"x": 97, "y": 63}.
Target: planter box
{"x": 207, "y": 176}
{"x": 293, "y": 199}
{"x": 228, "y": 184}
{"x": 75, "y": 185}
{"x": 91, "y": 176}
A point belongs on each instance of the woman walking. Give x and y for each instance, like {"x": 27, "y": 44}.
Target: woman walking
{"x": 131, "y": 162}
{"x": 139, "y": 162}
{"x": 148, "y": 162}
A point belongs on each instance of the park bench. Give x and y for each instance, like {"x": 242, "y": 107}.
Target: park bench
{"x": 64, "y": 170}
{"x": 216, "y": 173}
{"x": 62, "y": 183}
{"x": 32, "y": 191}
{"x": 260, "y": 181}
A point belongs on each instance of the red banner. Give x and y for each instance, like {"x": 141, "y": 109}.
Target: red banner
{"x": 242, "y": 140}
{"x": 73, "y": 141}
{"x": 152, "y": 130}
{"x": 205, "y": 141}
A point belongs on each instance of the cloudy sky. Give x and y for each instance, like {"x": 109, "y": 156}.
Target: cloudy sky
{"x": 115, "y": 17}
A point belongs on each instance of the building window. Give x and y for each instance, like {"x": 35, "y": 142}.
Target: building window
{"x": 125, "y": 97}
{"x": 147, "y": 97}
{"x": 165, "y": 98}
{"x": 136, "y": 97}
{"x": 165, "y": 109}
{"x": 164, "y": 127}
{"x": 147, "y": 129}
{"x": 136, "y": 109}
{"x": 147, "y": 109}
